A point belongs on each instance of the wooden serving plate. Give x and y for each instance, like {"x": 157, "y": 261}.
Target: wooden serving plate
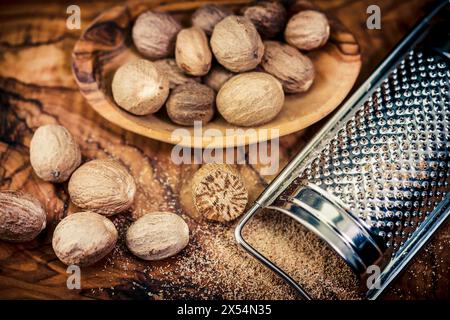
{"x": 106, "y": 44}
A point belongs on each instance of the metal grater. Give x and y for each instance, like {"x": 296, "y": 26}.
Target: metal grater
{"x": 374, "y": 182}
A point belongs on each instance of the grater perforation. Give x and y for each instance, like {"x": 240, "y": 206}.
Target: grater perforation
{"x": 390, "y": 163}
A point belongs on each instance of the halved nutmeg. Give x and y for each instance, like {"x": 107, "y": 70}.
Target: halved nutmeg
{"x": 219, "y": 192}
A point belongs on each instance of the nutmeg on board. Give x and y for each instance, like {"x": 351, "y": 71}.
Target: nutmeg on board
{"x": 157, "y": 235}
{"x": 103, "y": 185}
{"x": 54, "y": 153}
{"x": 83, "y": 238}
{"x": 22, "y": 217}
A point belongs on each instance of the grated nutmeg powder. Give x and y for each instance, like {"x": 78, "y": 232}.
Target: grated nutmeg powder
{"x": 213, "y": 266}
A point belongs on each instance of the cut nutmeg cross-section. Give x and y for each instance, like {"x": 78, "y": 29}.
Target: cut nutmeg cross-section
{"x": 218, "y": 192}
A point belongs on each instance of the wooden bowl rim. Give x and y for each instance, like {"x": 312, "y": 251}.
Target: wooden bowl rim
{"x": 285, "y": 128}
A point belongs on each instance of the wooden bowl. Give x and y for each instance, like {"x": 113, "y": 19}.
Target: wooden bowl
{"x": 106, "y": 44}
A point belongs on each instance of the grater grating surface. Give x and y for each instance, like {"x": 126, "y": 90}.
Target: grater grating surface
{"x": 390, "y": 163}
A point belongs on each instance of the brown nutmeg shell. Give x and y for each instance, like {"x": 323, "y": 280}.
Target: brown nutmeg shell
{"x": 191, "y": 102}
{"x": 269, "y": 17}
{"x": 54, "y": 153}
{"x": 192, "y": 52}
{"x": 206, "y": 17}
{"x": 250, "y": 99}
{"x": 154, "y": 34}
{"x": 236, "y": 44}
{"x": 307, "y": 30}
{"x": 103, "y": 186}
{"x": 22, "y": 216}
{"x": 294, "y": 70}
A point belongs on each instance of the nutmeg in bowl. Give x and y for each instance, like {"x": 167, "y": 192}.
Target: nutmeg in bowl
{"x": 250, "y": 99}
{"x": 293, "y": 69}
{"x": 336, "y": 67}
{"x": 140, "y": 87}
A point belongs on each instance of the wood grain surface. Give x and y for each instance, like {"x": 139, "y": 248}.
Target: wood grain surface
{"x": 106, "y": 44}
{"x": 37, "y": 87}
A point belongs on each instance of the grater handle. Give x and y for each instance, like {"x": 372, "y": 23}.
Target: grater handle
{"x": 328, "y": 218}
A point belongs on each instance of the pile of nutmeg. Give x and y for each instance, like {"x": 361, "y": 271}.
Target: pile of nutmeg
{"x": 238, "y": 64}
{"x": 101, "y": 188}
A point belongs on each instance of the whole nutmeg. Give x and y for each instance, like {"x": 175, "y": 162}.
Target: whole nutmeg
{"x": 191, "y": 102}
{"x": 54, "y": 153}
{"x": 236, "y": 44}
{"x": 175, "y": 75}
{"x": 192, "y": 52}
{"x": 217, "y": 77}
{"x": 207, "y": 16}
{"x": 103, "y": 186}
{"x": 157, "y": 236}
{"x": 139, "y": 87}
{"x": 250, "y": 99}
{"x": 154, "y": 34}
{"x": 22, "y": 216}
{"x": 83, "y": 238}
{"x": 307, "y": 30}
{"x": 219, "y": 192}
{"x": 269, "y": 17}
{"x": 294, "y": 70}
